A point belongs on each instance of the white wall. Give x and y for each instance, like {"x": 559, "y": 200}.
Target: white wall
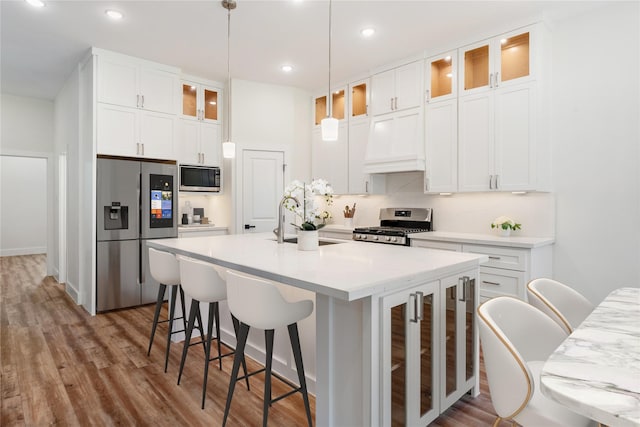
{"x": 595, "y": 138}
{"x": 27, "y": 124}
{"x": 23, "y": 205}
{"x": 27, "y": 132}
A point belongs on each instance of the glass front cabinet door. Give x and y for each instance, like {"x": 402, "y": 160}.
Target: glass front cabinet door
{"x": 499, "y": 61}
{"x": 200, "y": 102}
{"x": 410, "y": 374}
{"x": 338, "y": 106}
{"x": 441, "y": 73}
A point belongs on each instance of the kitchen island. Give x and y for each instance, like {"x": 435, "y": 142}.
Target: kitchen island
{"x": 350, "y": 280}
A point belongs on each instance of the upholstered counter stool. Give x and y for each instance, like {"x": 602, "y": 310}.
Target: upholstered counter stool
{"x": 203, "y": 282}
{"x": 258, "y": 303}
{"x": 166, "y": 270}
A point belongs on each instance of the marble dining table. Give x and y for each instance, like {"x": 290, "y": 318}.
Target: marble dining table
{"x": 596, "y": 370}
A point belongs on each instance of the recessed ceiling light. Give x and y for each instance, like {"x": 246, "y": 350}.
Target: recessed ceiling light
{"x": 367, "y": 32}
{"x": 114, "y": 14}
{"x": 286, "y": 68}
{"x": 35, "y": 3}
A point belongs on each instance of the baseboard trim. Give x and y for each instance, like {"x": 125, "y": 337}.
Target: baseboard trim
{"x": 23, "y": 251}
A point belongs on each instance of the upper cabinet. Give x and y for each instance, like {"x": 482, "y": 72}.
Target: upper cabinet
{"x": 359, "y": 100}
{"x": 502, "y": 142}
{"x": 338, "y": 99}
{"x": 137, "y": 104}
{"x": 397, "y": 89}
{"x": 200, "y": 101}
{"x": 137, "y": 84}
{"x": 502, "y": 60}
{"x": 441, "y": 124}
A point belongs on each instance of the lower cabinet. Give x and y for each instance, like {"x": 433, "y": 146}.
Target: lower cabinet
{"x": 430, "y": 349}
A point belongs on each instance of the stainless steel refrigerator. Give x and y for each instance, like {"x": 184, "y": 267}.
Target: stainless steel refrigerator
{"x": 136, "y": 201}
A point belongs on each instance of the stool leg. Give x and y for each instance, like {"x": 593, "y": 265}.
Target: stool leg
{"x": 172, "y": 312}
{"x": 207, "y": 355}
{"x": 297, "y": 356}
{"x": 187, "y": 339}
{"x": 236, "y": 326}
{"x": 156, "y": 315}
{"x": 199, "y": 317}
{"x": 243, "y": 333}
{"x": 184, "y": 312}
{"x": 268, "y": 338}
{"x": 217, "y": 316}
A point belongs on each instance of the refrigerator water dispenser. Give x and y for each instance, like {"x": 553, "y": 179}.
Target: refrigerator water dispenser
{"x": 116, "y": 217}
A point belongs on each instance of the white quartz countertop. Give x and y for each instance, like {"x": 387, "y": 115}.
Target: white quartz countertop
{"x": 348, "y": 270}
{"x": 483, "y": 239}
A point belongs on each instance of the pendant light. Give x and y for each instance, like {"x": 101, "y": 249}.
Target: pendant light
{"x": 329, "y": 125}
{"x": 228, "y": 147}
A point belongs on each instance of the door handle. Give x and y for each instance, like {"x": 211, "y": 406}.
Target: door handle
{"x": 249, "y": 226}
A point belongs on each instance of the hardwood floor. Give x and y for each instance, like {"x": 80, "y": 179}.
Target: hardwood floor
{"x": 61, "y": 366}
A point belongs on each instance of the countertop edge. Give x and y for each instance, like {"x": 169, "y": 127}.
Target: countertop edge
{"x": 484, "y": 239}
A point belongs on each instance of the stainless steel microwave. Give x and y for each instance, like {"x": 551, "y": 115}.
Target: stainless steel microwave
{"x": 200, "y": 178}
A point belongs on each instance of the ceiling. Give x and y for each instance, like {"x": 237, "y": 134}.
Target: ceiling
{"x": 40, "y": 47}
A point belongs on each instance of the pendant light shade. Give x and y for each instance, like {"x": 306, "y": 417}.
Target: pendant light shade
{"x": 329, "y": 129}
{"x": 329, "y": 125}
{"x": 228, "y": 147}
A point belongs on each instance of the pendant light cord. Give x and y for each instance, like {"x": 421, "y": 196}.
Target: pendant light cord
{"x": 329, "y": 97}
{"x": 229, "y": 74}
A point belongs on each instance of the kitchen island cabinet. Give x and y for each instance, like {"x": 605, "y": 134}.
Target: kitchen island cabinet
{"x": 350, "y": 280}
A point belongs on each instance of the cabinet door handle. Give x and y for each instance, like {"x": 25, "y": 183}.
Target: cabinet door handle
{"x": 426, "y": 184}
{"x": 491, "y": 283}
{"x": 465, "y": 280}
{"x": 496, "y": 183}
{"x": 420, "y": 299}
{"x": 142, "y": 148}
{"x": 391, "y": 103}
{"x": 491, "y": 81}
{"x": 494, "y": 257}
{"x": 137, "y": 101}
{"x": 427, "y": 96}
{"x": 497, "y": 79}
{"x": 366, "y": 186}
{"x": 142, "y": 97}
{"x": 414, "y": 319}
{"x": 452, "y": 292}
{"x": 396, "y": 102}
{"x": 490, "y": 182}
{"x": 202, "y": 154}
{"x": 137, "y": 148}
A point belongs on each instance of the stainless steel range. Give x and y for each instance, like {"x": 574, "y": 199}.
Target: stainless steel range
{"x": 395, "y": 225}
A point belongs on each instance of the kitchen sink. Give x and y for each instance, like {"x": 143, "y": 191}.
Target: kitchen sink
{"x": 320, "y": 242}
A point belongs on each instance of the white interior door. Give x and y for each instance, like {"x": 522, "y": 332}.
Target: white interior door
{"x": 262, "y": 188}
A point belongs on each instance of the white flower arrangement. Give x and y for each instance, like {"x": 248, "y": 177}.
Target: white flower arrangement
{"x": 300, "y": 198}
{"x": 505, "y": 223}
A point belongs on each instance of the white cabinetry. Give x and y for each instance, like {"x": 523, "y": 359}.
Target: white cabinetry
{"x": 136, "y": 107}
{"x": 396, "y": 139}
{"x": 441, "y": 124}
{"x": 329, "y": 159}
{"x": 200, "y": 129}
{"x": 195, "y": 231}
{"x": 429, "y": 347}
{"x": 497, "y": 114}
{"x": 508, "y": 269}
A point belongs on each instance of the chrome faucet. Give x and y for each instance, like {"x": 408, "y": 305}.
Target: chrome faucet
{"x": 279, "y": 232}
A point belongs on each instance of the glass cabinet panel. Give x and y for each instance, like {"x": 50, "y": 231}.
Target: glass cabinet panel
{"x": 476, "y": 67}
{"x": 441, "y": 77}
{"x": 337, "y": 104}
{"x": 210, "y": 104}
{"x": 398, "y": 365}
{"x": 359, "y": 100}
{"x": 514, "y": 57}
{"x": 321, "y": 109}
{"x": 450, "y": 316}
{"x": 189, "y": 100}
{"x": 427, "y": 356}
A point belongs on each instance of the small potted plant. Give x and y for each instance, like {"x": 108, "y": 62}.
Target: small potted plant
{"x": 505, "y": 224}
{"x": 300, "y": 198}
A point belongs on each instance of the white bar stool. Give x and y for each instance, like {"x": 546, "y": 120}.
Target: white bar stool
{"x": 203, "y": 282}
{"x": 166, "y": 270}
{"x": 258, "y": 303}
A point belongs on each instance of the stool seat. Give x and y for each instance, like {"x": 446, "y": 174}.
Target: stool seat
{"x": 203, "y": 282}
{"x": 165, "y": 269}
{"x": 258, "y": 303}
